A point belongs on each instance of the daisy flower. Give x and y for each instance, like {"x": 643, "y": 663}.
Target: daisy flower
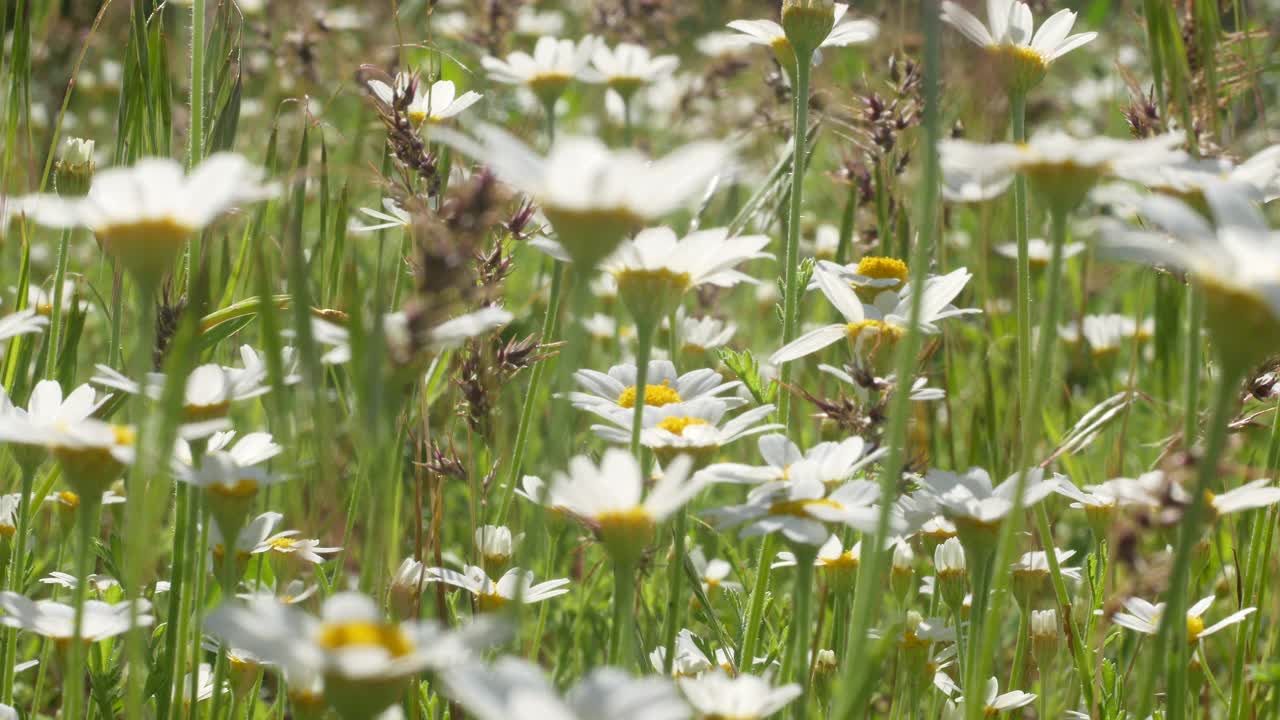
{"x": 628, "y": 67}
{"x": 490, "y": 596}
{"x": 743, "y": 697}
{"x": 655, "y": 269}
{"x": 607, "y": 394}
{"x": 833, "y": 462}
{"x": 1250, "y": 496}
{"x": 439, "y": 103}
{"x": 870, "y": 276}
{"x": 868, "y": 382}
{"x": 973, "y": 503}
{"x": 801, "y": 507}
{"x": 230, "y": 481}
{"x": 713, "y": 573}
{"x": 1039, "y": 251}
{"x": 1031, "y": 572}
{"x": 592, "y": 195}
{"x": 495, "y": 543}
{"x": 1103, "y": 499}
{"x": 514, "y": 687}
{"x": 23, "y": 322}
{"x": 1021, "y": 56}
{"x": 289, "y": 544}
{"x": 91, "y": 453}
{"x": 208, "y": 394}
{"x": 56, "y": 620}
{"x": 696, "y": 428}
{"x": 548, "y": 71}
{"x": 994, "y": 702}
{"x": 248, "y": 540}
{"x": 1105, "y": 333}
{"x": 1144, "y": 617}
{"x": 832, "y": 557}
{"x": 610, "y": 497}
{"x": 364, "y": 660}
{"x": 1060, "y": 167}
{"x": 697, "y": 335}
{"x": 1234, "y": 260}
{"x": 1259, "y": 176}
{"x": 99, "y": 583}
{"x": 402, "y": 341}
{"x": 689, "y": 659}
{"x": 390, "y": 216}
{"x": 772, "y": 35}
{"x": 47, "y": 410}
{"x": 887, "y": 318}
{"x": 144, "y": 214}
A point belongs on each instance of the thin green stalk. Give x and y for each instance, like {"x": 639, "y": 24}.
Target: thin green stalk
{"x": 1020, "y": 649}
{"x": 55, "y": 312}
{"x": 755, "y": 614}
{"x": 1171, "y": 622}
{"x": 1030, "y": 429}
{"x": 846, "y": 225}
{"x": 549, "y": 326}
{"x": 644, "y": 348}
{"x": 791, "y": 259}
{"x": 795, "y": 666}
{"x": 870, "y": 588}
{"x": 1022, "y": 305}
{"x": 624, "y": 598}
{"x": 17, "y": 575}
{"x": 73, "y": 697}
{"x": 176, "y": 618}
{"x": 675, "y": 589}
{"x": 196, "y": 138}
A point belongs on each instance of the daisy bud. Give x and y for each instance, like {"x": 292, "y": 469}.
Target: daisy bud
{"x": 915, "y": 650}
{"x": 901, "y": 575}
{"x": 405, "y": 588}
{"x": 1045, "y": 633}
{"x": 73, "y": 173}
{"x": 495, "y": 544}
{"x": 949, "y": 565}
{"x": 825, "y": 666}
{"x": 807, "y": 24}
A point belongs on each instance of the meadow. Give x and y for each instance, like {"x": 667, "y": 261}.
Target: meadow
{"x": 639, "y": 359}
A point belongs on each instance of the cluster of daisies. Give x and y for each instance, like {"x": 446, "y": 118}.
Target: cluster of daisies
{"x": 766, "y": 492}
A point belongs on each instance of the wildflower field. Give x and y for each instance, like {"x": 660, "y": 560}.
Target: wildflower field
{"x": 639, "y": 359}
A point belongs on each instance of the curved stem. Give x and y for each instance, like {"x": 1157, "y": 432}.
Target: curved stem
{"x": 791, "y": 259}
{"x": 755, "y": 615}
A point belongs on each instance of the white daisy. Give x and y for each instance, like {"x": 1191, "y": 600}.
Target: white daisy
{"x": 1039, "y": 251}
{"x": 208, "y": 393}
{"x": 743, "y": 697}
{"x": 594, "y": 196}
{"x": 832, "y": 557}
{"x": 23, "y": 322}
{"x": 801, "y": 507}
{"x": 969, "y": 499}
{"x": 144, "y": 214}
{"x": 445, "y": 336}
{"x": 56, "y": 620}
{"x": 689, "y": 659}
{"x": 439, "y": 103}
{"x": 702, "y": 334}
{"x": 696, "y": 428}
{"x": 490, "y": 595}
{"x": 888, "y": 318}
{"x": 771, "y": 35}
{"x": 514, "y": 687}
{"x": 833, "y": 462}
{"x": 628, "y": 67}
{"x": 391, "y": 216}
{"x": 713, "y": 572}
{"x": 1023, "y": 56}
{"x": 608, "y": 394}
{"x": 1259, "y": 176}
{"x": 1144, "y": 617}
{"x": 548, "y": 71}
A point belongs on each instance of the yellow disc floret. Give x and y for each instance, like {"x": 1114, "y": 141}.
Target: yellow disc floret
{"x": 677, "y": 425}
{"x": 343, "y": 636}
{"x": 654, "y": 395}
{"x": 1195, "y": 626}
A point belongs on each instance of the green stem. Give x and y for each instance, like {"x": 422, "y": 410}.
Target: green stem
{"x": 176, "y": 618}
{"x": 196, "y": 139}
{"x": 1171, "y": 622}
{"x": 791, "y": 259}
{"x": 795, "y": 665}
{"x": 55, "y": 312}
{"x": 755, "y": 615}
{"x": 1022, "y": 305}
{"x": 1030, "y": 431}
{"x": 675, "y": 590}
{"x": 1020, "y": 649}
{"x": 624, "y": 597}
{"x": 644, "y": 348}
{"x": 549, "y": 326}
{"x": 86, "y": 525}
{"x": 870, "y": 588}
{"x": 846, "y": 225}
{"x": 17, "y": 576}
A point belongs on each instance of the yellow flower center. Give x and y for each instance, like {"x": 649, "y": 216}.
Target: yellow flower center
{"x": 677, "y": 425}
{"x": 654, "y": 395}
{"x": 7, "y": 531}
{"x": 1195, "y": 626}
{"x": 200, "y": 413}
{"x": 147, "y": 246}
{"x": 68, "y": 498}
{"x": 284, "y": 543}
{"x": 873, "y": 327}
{"x": 341, "y": 636}
{"x": 883, "y": 268}
{"x": 242, "y": 488}
{"x": 800, "y": 508}
{"x": 637, "y": 519}
{"x": 490, "y": 602}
